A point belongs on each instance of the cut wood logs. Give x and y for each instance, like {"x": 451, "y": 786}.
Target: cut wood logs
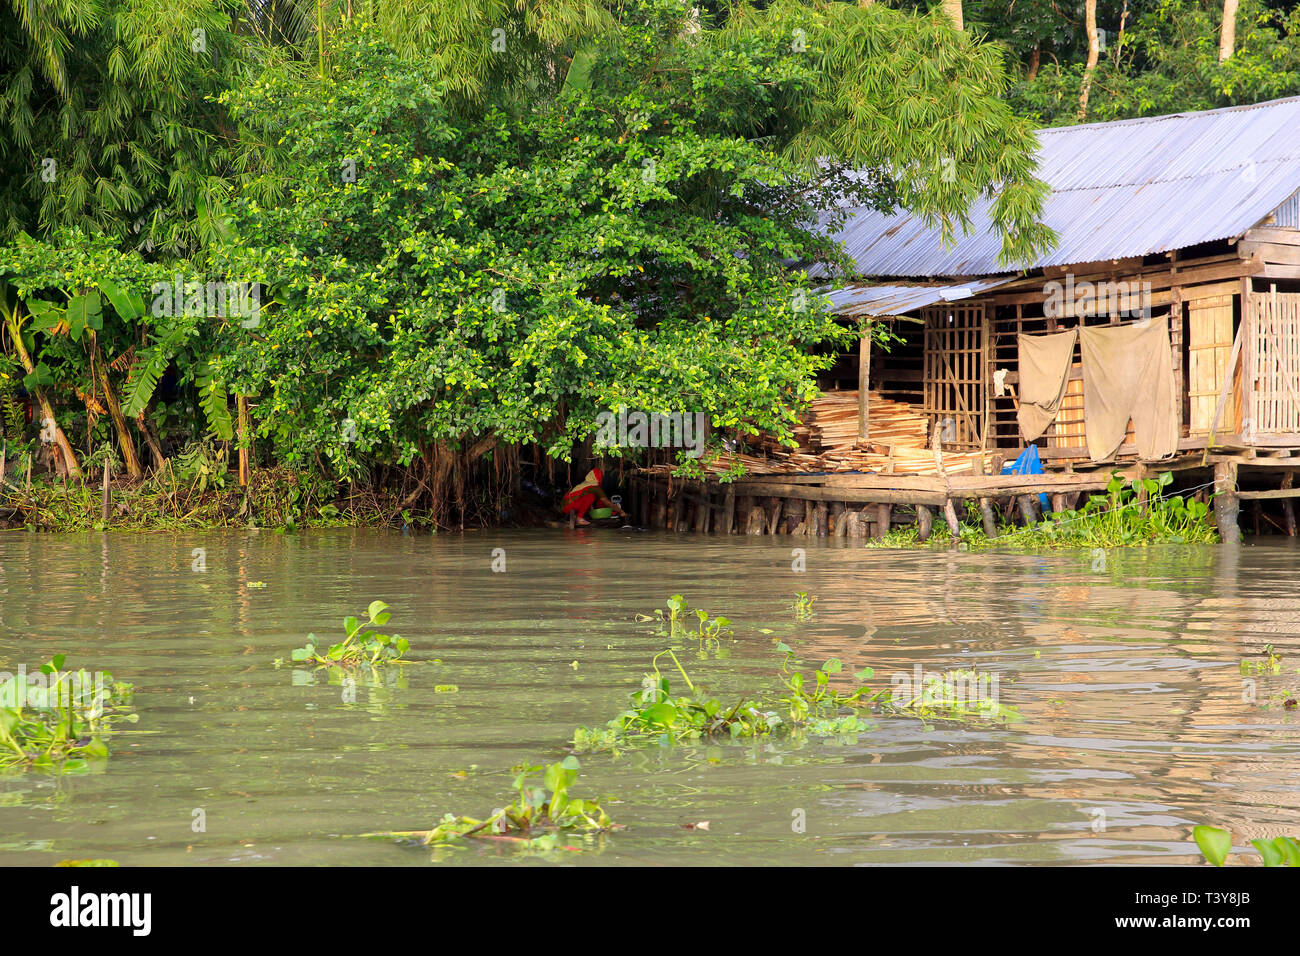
{"x": 827, "y": 438}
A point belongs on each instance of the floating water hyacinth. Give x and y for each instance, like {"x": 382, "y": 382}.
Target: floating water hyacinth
{"x": 57, "y": 721}
{"x": 537, "y": 820}
{"x": 360, "y": 644}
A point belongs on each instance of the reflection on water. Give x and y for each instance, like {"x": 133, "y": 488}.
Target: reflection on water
{"x": 1138, "y": 720}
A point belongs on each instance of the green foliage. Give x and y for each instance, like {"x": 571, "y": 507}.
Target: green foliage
{"x": 1115, "y": 519}
{"x": 107, "y": 121}
{"x": 803, "y": 606}
{"x": 806, "y": 704}
{"x": 149, "y": 367}
{"x": 1271, "y": 664}
{"x": 673, "y": 624}
{"x": 13, "y": 416}
{"x": 1119, "y": 518}
{"x": 1215, "y": 844}
{"x": 654, "y": 713}
{"x": 960, "y": 694}
{"x": 215, "y": 402}
{"x": 1163, "y": 58}
{"x": 550, "y": 808}
{"x": 201, "y": 465}
{"x": 57, "y": 722}
{"x": 360, "y": 644}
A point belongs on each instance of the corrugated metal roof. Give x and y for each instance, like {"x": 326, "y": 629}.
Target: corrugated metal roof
{"x": 884, "y": 300}
{"x": 1125, "y": 188}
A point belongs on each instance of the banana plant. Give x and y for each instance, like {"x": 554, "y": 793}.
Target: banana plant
{"x": 36, "y": 378}
{"x": 83, "y": 317}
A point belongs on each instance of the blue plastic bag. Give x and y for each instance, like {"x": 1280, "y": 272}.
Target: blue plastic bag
{"x": 1028, "y": 463}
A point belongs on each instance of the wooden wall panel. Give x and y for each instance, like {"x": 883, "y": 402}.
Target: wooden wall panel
{"x": 1209, "y": 346}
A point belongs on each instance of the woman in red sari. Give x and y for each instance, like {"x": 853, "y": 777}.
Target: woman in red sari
{"x": 586, "y": 495}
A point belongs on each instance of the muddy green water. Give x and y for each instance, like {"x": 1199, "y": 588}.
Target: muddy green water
{"x": 1139, "y": 723}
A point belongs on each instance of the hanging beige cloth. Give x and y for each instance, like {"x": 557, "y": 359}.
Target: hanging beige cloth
{"x": 1044, "y": 375}
{"x": 1128, "y": 372}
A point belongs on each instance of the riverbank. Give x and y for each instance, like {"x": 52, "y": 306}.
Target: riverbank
{"x": 1127, "y": 514}
{"x": 172, "y": 499}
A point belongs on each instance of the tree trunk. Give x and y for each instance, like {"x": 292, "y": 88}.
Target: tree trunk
{"x": 1034, "y": 59}
{"x": 1094, "y": 51}
{"x": 241, "y": 424}
{"x": 953, "y": 9}
{"x": 150, "y": 438}
{"x": 1228, "y": 30}
{"x": 47, "y": 411}
{"x": 124, "y": 441}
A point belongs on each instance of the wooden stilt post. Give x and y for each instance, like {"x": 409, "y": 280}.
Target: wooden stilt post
{"x": 774, "y": 507}
{"x": 744, "y": 508}
{"x": 241, "y": 421}
{"x": 1028, "y": 505}
{"x": 794, "y": 511}
{"x": 729, "y": 509}
{"x": 106, "y": 497}
{"x": 1288, "y": 509}
{"x": 986, "y": 506}
{"x": 820, "y": 525}
{"x": 864, "y": 385}
{"x": 949, "y": 512}
{"x": 1226, "y": 504}
{"x": 924, "y": 522}
{"x": 838, "y": 519}
{"x": 883, "y": 512}
{"x": 756, "y": 523}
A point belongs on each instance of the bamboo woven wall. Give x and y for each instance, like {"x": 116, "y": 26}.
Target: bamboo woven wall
{"x": 954, "y": 373}
{"x": 1274, "y": 361}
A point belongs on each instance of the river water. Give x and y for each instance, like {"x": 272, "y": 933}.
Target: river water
{"x": 1138, "y": 722}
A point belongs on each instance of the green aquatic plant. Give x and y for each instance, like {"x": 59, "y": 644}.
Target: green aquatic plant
{"x": 360, "y": 645}
{"x": 654, "y": 712}
{"x": 549, "y": 808}
{"x": 673, "y": 623}
{"x": 803, "y": 606}
{"x": 1271, "y": 664}
{"x": 712, "y": 629}
{"x": 808, "y": 704}
{"x": 1215, "y": 844}
{"x": 1128, "y": 514}
{"x": 961, "y": 694}
{"x": 814, "y": 697}
{"x": 1122, "y": 517}
{"x": 58, "y": 720}
{"x": 676, "y": 612}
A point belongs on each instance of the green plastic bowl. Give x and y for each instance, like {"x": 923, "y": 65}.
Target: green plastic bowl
{"x": 602, "y": 512}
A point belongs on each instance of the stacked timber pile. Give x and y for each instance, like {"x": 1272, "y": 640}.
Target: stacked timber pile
{"x": 897, "y": 442}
